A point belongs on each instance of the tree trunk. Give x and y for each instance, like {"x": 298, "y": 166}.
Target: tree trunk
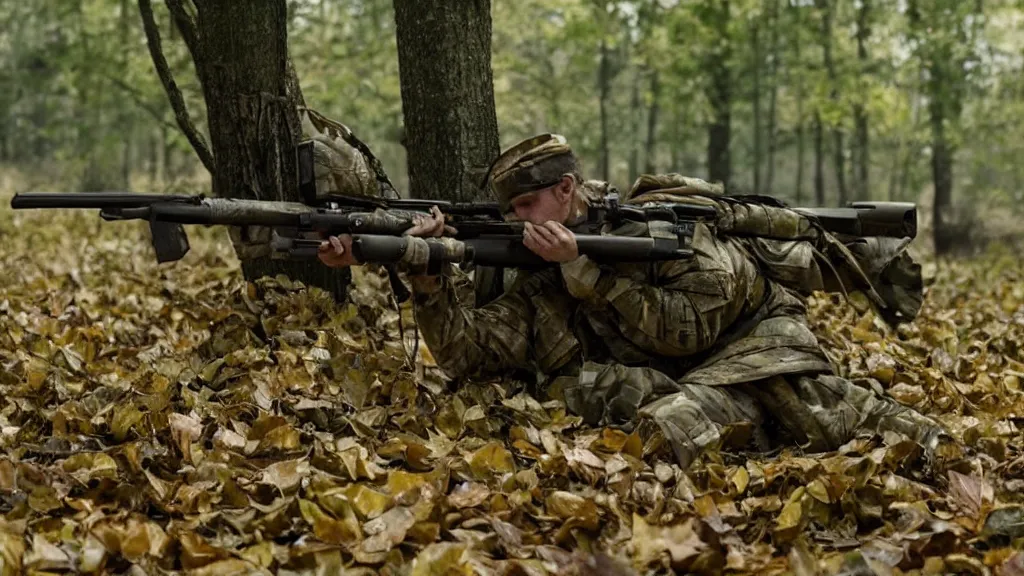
{"x": 942, "y": 174}
{"x": 154, "y": 156}
{"x": 819, "y": 161}
{"x": 126, "y": 123}
{"x": 773, "y": 99}
{"x": 755, "y": 45}
{"x": 451, "y": 128}
{"x": 650, "y": 162}
{"x": 604, "y": 89}
{"x": 828, "y": 13}
{"x": 676, "y": 150}
{"x": 860, "y": 117}
{"x": 800, "y": 139}
{"x": 240, "y": 52}
{"x": 634, "y": 111}
{"x": 719, "y": 163}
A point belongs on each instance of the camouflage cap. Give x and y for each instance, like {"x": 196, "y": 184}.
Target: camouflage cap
{"x": 530, "y": 165}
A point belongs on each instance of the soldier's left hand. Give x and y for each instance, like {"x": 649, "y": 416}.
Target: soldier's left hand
{"x": 552, "y": 241}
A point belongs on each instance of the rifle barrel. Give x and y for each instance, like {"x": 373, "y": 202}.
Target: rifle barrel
{"x": 101, "y": 200}
{"x": 889, "y": 219}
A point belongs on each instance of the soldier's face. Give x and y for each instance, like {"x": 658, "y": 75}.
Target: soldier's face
{"x": 545, "y": 205}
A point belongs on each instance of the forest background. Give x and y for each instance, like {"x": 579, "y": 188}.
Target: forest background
{"x": 815, "y": 102}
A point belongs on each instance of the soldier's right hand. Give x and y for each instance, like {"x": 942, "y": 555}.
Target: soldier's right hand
{"x": 336, "y": 252}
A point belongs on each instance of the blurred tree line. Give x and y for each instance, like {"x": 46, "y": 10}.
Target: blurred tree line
{"x": 813, "y": 101}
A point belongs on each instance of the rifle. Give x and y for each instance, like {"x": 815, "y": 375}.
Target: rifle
{"x": 483, "y": 236}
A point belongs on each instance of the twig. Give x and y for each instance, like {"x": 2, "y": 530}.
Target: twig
{"x": 156, "y": 114}
{"x": 177, "y": 102}
{"x": 186, "y": 25}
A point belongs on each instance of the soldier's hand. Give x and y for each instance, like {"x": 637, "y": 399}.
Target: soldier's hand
{"x": 552, "y": 241}
{"x": 336, "y": 251}
{"x": 426, "y": 226}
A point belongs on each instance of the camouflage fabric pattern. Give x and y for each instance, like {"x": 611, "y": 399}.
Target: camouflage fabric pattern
{"x": 798, "y": 253}
{"x": 342, "y": 164}
{"x": 691, "y": 351}
{"x": 530, "y": 165}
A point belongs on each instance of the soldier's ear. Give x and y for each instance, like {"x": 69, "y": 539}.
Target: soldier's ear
{"x": 566, "y": 188}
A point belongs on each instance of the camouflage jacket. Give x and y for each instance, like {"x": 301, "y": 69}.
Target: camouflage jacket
{"x": 715, "y": 319}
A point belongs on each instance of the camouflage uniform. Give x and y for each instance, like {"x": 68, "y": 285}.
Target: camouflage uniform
{"x": 700, "y": 348}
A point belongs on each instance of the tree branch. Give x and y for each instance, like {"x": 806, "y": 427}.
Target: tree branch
{"x": 173, "y": 93}
{"x": 156, "y": 114}
{"x": 186, "y": 25}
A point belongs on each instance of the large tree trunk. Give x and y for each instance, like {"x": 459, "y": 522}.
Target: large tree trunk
{"x": 444, "y": 58}
{"x": 240, "y": 51}
{"x": 451, "y": 127}
{"x": 719, "y": 93}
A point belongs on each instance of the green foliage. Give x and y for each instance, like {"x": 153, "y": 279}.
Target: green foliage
{"x": 79, "y": 94}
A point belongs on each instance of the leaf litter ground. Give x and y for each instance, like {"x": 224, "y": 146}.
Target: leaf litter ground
{"x": 171, "y": 418}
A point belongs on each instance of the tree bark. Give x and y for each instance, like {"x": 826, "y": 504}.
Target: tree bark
{"x": 634, "y": 110}
{"x": 819, "y": 160}
{"x": 828, "y": 14}
{"x": 604, "y": 89}
{"x": 451, "y": 127}
{"x": 719, "y": 93}
{"x": 240, "y": 52}
{"x": 755, "y": 45}
{"x": 773, "y": 99}
{"x": 800, "y": 139}
{"x": 650, "y": 162}
{"x": 444, "y": 58}
{"x": 942, "y": 174}
{"x": 862, "y": 157}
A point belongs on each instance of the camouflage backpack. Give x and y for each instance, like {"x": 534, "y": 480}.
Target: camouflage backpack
{"x": 795, "y": 250}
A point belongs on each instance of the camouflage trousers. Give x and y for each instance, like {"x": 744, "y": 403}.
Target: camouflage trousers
{"x": 818, "y": 412}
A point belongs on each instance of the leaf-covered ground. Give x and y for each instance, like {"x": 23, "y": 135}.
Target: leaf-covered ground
{"x": 158, "y": 419}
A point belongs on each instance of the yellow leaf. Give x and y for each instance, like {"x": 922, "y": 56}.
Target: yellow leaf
{"x": 492, "y": 458}
{"x": 368, "y": 503}
{"x": 568, "y": 506}
{"x": 91, "y": 465}
{"x": 125, "y": 417}
{"x": 740, "y": 479}
{"x": 791, "y": 520}
{"x": 819, "y": 490}
{"x": 611, "y": 440}
{"x": 326, "y": 528}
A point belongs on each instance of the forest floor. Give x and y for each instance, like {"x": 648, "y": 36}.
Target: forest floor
{"x": 158, "y": 418}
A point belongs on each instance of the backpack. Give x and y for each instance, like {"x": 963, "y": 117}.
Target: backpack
{"x": 796, "y": 250}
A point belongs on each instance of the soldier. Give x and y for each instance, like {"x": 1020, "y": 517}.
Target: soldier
{"x": 706, "y": 351}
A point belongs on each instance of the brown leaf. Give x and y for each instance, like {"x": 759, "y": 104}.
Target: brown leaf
{"x": 971, "y": 493}
{"x": 185, "y": 430}
{"x": 44, "y": 555}
{"x": 468, "y": 495}
{"x": 387, "y": 531}
{"x": 680, "y": 542}
{"x": 286, "y": 475}
{"x": 492, "y": 458}
{"x": 568, "y": 506}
